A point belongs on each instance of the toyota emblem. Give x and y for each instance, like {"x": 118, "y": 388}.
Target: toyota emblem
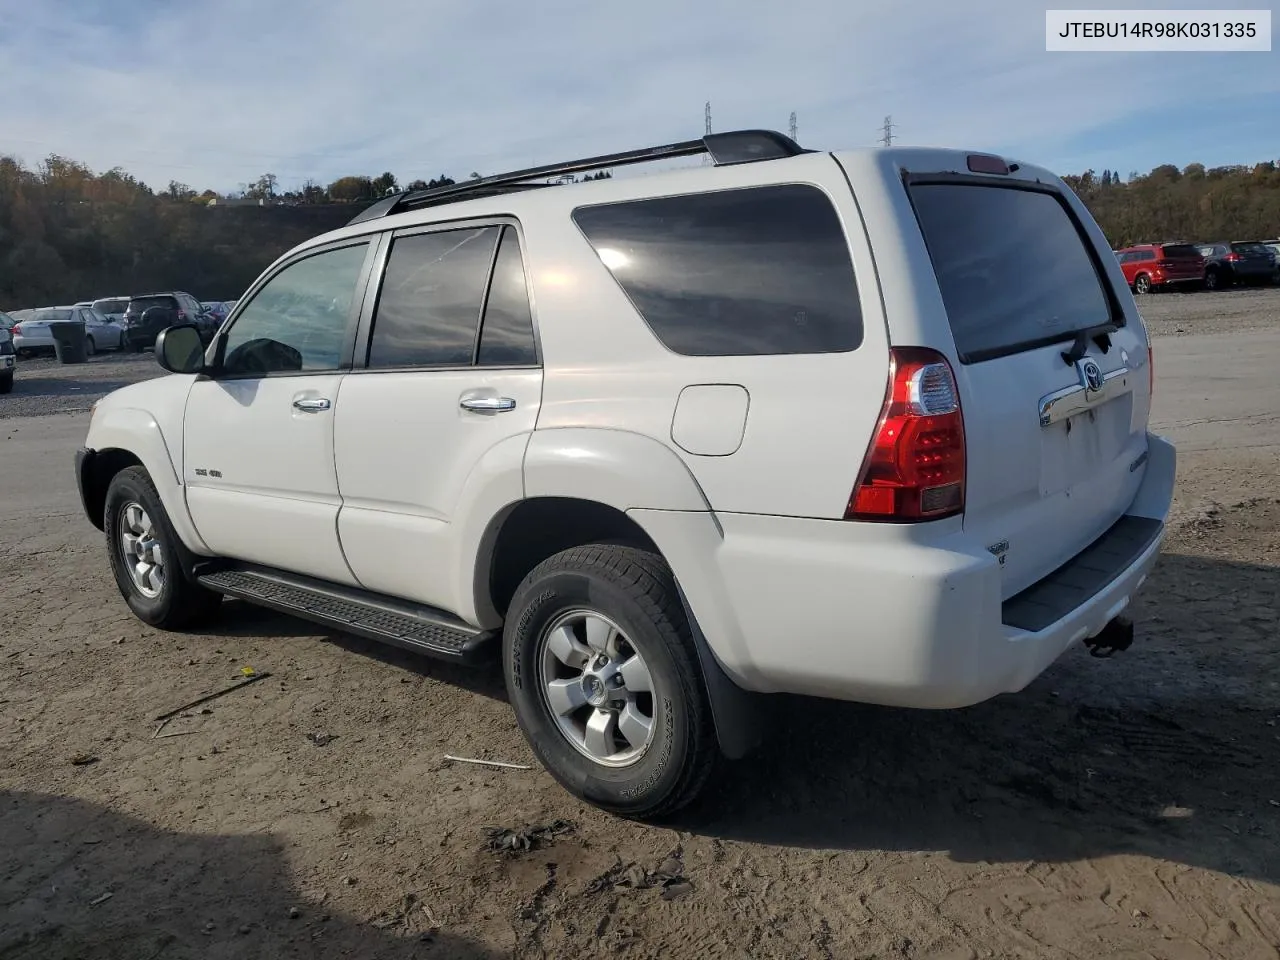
{"x": 1091, "y": 375}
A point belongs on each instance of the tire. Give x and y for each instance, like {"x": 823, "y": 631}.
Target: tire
{"x": 1213, "y": 280}
{"x": 6, "y": 383}
{"x": 172, "y": 601}
{"x": 634, "y": 591}
{"x": 1142, "y": 284}
{"x": 90, "y": 348}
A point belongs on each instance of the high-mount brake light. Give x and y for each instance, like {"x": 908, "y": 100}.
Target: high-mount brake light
{"x": 915, "y": 467}
{"x": 985, "y": 163}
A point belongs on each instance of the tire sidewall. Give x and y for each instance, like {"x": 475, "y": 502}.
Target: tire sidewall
{"x": 127, "y": 487}
{"x": 631, "y": 789}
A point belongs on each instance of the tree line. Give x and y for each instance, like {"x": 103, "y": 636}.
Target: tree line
{"x": 67, "y": 233}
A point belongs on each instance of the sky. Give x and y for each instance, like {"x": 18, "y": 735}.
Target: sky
{"x": 214, "y": 93}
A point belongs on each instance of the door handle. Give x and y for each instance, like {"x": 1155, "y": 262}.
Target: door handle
{"x": 312, "y": 405}
{"x": 487, "y": 404}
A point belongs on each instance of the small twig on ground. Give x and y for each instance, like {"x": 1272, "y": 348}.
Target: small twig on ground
{"x": 102, "y": 899}
{"x": 489, "y": 763}
{"x": 164, "y": 718}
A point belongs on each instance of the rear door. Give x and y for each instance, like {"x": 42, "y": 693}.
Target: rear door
{"x": 1053, "y": 380}
{"x": 442, "y": 399}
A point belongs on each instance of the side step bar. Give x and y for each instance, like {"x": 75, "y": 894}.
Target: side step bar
{"x": 414, "y": 627}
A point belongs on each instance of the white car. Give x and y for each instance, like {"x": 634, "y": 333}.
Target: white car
{"x": 32, "y": 335}
{"x": 868, "y": 425}
{"x": 113, "y": 308}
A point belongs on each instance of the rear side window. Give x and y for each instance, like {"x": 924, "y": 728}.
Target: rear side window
{"x": 1180, "y": 251}
{"x": 744, "y": 272}
{"x": 1012, "y": 267}
{"x": 429, "y": 307}
{"x": 506, "y": 335}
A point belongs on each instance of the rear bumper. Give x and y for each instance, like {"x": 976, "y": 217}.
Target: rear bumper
{"x": 837, "y": 610}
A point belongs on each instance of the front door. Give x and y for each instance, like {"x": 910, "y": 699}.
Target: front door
{"x": 446, "y": 400}
{"x": 258, "y": 447}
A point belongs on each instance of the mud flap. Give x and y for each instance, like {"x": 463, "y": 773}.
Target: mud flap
{"x": 735, "y": 712}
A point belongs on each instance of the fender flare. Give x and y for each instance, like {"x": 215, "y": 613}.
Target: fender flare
{"x": 135, "y": 431}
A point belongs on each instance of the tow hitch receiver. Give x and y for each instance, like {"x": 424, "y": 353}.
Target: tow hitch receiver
{"x": 1115, "y": 636}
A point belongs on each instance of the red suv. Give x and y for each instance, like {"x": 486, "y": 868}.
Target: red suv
{"x": 1150, "y": 265}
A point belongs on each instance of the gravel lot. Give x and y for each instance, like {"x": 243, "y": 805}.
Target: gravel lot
{"x": 1118, "y": 808}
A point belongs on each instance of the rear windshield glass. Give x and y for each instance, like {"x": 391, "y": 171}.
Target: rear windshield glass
{"x": 1181, "y": 251}
{"x": 51, "y": 316}
{"x": 1012, "y": 268}
{"x": 141, "y": 304}
{"x": 111, "y": 306}
{"x": 1250, "y": 249}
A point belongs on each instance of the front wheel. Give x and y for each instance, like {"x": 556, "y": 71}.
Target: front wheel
{"x": 143, "y": 549}
{"x": 90, "y": 348}
{"x": 604, "y": 678}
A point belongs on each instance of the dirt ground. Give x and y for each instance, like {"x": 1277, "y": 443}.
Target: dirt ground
{"x": 1116, "y": 808}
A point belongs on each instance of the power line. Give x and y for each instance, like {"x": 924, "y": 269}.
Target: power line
{"x": 887, "y": 136}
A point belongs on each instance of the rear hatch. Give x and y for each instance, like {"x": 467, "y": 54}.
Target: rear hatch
{"x": 1254, "y": 257}
{"x": 140, "y": 305}
{"x": 1181, "y": 261}
{"x": 1053, "y": 378}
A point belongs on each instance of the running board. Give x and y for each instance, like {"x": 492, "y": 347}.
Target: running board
{"x": 410, "y": 626}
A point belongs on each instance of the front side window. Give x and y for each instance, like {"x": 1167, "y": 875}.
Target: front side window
{"x": 299, "y": 320}
{"x": 741, "y": 272}
{"x": 429, "y": 307}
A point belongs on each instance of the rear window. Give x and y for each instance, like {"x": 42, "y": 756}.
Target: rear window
{"x": 1181, "y": 251}
{"x": 111, "y": 306}
{"x": 1012, "y": 267}
{"x": 743, "y": 272}
{"x": 51, "y": 316}
{"x": 1251, "y": 249}
{"x": 142, "y": 304}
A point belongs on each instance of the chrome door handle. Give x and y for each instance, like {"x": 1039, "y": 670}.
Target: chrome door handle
{"x": 312, "y": 406}
{"x": 487, "y": 404}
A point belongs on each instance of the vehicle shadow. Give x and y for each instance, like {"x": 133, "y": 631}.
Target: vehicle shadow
{"x": 240, "y": 619}
{"x": 36, "y": 386}
{"x": 1170, "y": 750}
{"x": 86, "y": 882}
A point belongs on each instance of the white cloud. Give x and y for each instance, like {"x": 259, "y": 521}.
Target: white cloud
{"x": 216, "y": 93}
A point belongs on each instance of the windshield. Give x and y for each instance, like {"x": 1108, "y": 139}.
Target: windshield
{"x": 111, "y": 306}
{"x": 1012, "y": 267}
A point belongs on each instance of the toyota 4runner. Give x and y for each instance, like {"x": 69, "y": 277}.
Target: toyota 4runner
{"x": 868, "y": 425}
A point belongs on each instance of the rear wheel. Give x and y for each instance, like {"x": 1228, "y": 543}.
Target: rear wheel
{"x": 1213, "y": 280}
{"x": 601, "y": 670}
{"x": 1142, "y": 284}
{"x": 144, "y": 553}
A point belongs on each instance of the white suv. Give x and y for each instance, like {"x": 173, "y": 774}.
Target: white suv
{"x": 869, "y": 425}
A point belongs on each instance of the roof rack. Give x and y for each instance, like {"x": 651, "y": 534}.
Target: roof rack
{"x": 736, "y": 146}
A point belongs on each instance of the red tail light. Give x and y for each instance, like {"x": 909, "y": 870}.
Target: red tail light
{"x": 1232, "y": 257}
{"x": 17, "y": 330}
{"x": 182, "y": 316}
{"x": 915, "y": 467}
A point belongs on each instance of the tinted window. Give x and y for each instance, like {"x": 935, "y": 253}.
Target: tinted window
{"x": 111, "y": 306}
{"x": 299, "y": 319}
{"x": 506, "y": 335}
{"x": 1250, "y": 249}
{"x": 746, "y": 272}
{"x": 1147, "y": 255}
{"x": 142, "y": 304}
{"x": 51, "y": 316}
{"x": 1180, "y": 251}
{"x": 1012, "y": 267}
{"x": 429, "y": 308}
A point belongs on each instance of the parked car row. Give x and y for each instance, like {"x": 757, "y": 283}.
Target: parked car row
{"x": 115, "y": 323}
{"x": 1215, "y": 266}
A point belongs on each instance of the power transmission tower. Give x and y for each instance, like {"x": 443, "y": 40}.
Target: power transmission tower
{"x": 706, "y": 157}
{"x": 792, "y": 125}
{"x": 887, "y": 138}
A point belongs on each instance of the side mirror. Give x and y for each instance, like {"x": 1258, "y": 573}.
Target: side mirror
{"x": 179, "y": 349}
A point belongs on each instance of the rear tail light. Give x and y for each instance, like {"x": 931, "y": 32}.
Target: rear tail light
{"x": 1232, "y": 257}
{"x": 17, "y": 330}
{"x": 915, "y": 467}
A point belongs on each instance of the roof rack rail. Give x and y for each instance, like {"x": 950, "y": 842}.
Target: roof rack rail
{"x": 735, "y": 146}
